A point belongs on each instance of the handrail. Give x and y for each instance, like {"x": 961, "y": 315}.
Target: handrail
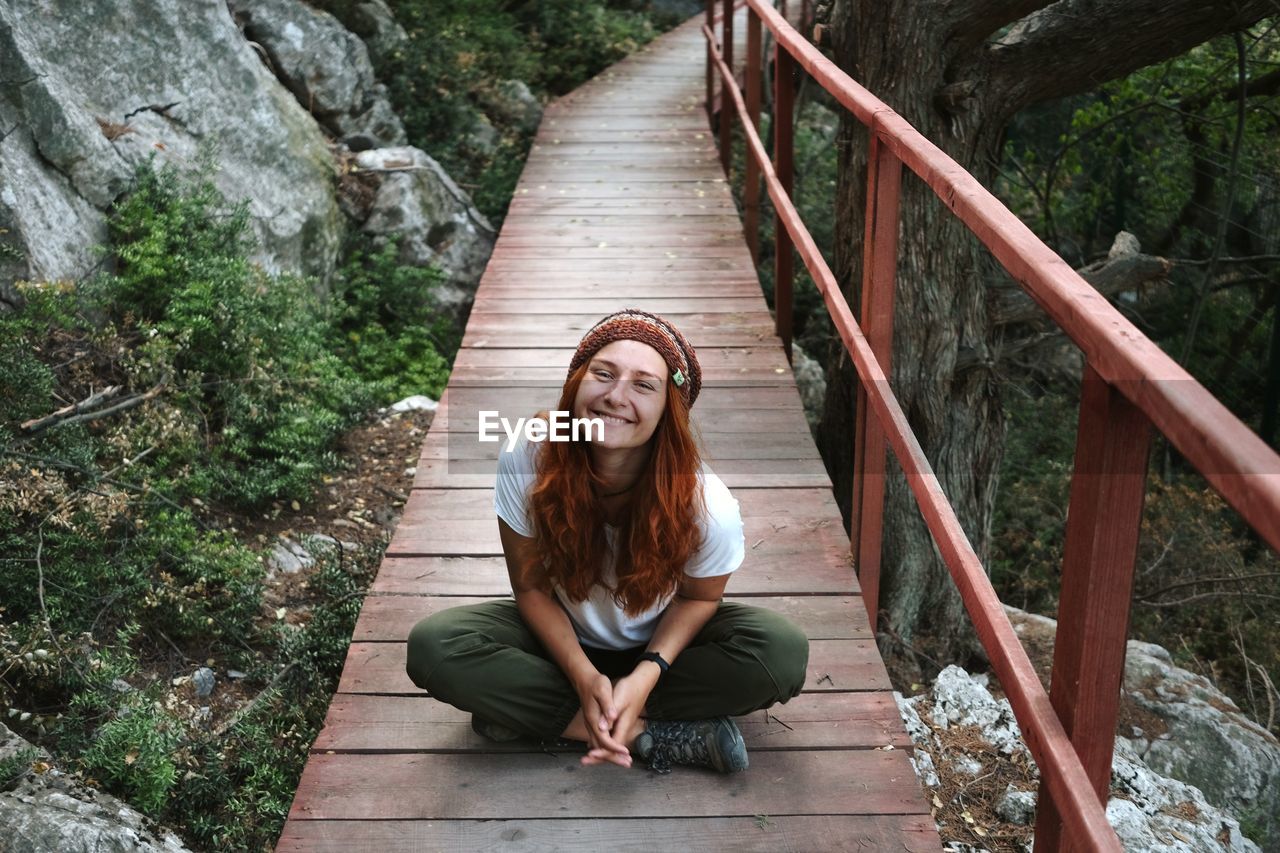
{"x": 1129, "y": 385}
{"x": 1013, "y": 667}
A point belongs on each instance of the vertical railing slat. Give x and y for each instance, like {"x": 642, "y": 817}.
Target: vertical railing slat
{"x": 726, "y": 100}
{"x": 879, "y": 277}
{"x": 751, "y": 181}
{"x": 711, "y": 70}
{"x": 1103, "y": 523}
{"x": 784, "y": 69}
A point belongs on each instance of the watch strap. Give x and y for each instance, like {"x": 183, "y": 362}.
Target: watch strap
{"x": 656, "y": 658}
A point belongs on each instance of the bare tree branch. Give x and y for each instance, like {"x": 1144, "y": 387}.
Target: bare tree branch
{"x": 974, "y": 22}
{"x": 1125, "y": 268}
{"x": 1074, "y": 46}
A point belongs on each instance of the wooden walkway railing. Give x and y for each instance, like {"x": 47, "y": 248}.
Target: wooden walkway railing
{"x": 1129, "y": 386}
{"x": 622, "y": 203}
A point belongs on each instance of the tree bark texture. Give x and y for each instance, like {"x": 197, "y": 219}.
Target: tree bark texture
{"x": 939, "y": 65}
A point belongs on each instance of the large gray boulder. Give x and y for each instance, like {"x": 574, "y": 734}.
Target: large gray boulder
{"x": 435, "y": 221}
{"x": 324, "y": 65}
{"x": 95, "y": 87}
{"x": 1210, "y": 743}
{"x": 48, "y": 811}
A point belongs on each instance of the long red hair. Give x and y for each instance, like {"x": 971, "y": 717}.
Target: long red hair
{"x": 660, "y": 532}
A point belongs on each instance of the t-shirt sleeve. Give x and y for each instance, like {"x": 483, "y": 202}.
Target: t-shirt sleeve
{"x": 723, "y": 544}
{"x": 516, "y": 477}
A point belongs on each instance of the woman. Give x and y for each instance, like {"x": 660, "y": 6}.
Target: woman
{"x": 619, "y": 550}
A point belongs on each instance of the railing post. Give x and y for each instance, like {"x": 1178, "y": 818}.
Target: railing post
{"x": 711, "y": 18}
{"x": 726, "y": 100}
{"x": 751, "y": 182}
{"x": 784, "y": 166}
{"x": 879, "y": 278}
{"x": 1101, "y": 545}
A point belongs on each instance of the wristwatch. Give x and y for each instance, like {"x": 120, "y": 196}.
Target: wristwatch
{"x": 656, "y": 658}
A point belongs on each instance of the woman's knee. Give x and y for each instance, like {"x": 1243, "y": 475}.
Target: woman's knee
{"x": 432, "y": 643}
{"x": 784, "y": 651}
{"x": 772, "y": 655}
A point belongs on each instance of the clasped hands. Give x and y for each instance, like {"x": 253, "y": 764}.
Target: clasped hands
{"x": 611, "y": 711}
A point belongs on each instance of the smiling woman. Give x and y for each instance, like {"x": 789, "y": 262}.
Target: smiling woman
{"x": 619, "y": 551}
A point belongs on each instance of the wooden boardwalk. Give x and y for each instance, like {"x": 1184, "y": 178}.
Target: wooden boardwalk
{"x": 622, "y": 204}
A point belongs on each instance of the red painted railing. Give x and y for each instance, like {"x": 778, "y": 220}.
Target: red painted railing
{"x": 1129, "y": 385}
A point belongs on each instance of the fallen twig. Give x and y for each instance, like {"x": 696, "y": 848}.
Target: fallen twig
{"x": 94, "y": 400}
{"x": 65, "y": 416}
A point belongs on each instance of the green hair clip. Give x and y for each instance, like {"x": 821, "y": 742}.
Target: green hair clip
{"x": 678, "y": 378}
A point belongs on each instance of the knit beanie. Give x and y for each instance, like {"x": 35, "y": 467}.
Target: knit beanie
{"x": 636, "y": 325}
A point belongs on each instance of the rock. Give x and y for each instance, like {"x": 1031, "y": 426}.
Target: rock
{"x": 119, "y": 685}
{"x": 922, "y": 763}
{"x": 374, "y": 22}
{"x": 48, "y": 811}
{"x": 434, "y": 220}
{"x": 811, "y": 382}
{"x": 1163, "y": 814}
{"x": 963, "y": 699}
{"x": 325, "y": 66}
{"x": 416, "y": 403}
{"x": 1210, "y": 743}
{"x": 511, "y": 103}
{"x": 289, "y": 557}
{"x": 482, "y": 138}
{"x": 1017, "y": 806}
{"x": 203, "y": 680}
{"x": 84, "y": 110}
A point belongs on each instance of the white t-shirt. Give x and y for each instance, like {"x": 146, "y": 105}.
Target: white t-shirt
{"x": 598, "y": 620}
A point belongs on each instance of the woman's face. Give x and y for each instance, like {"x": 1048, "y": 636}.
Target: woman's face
{"x": 625, "y": 386}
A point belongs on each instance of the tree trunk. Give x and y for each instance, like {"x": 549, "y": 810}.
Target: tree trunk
{"x": 940, "y": 312}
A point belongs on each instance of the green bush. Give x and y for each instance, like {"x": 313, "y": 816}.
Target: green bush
{"x": 246, "y": 358}
{"x": 133, "y": 753}
{"x": 388, "y": 329}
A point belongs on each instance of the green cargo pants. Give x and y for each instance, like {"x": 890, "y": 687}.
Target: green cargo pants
{"x": 484, "y": 659}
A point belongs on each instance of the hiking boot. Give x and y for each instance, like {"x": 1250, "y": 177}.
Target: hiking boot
{"x": 714, "y": 743}
{"x": 492, "y": 731}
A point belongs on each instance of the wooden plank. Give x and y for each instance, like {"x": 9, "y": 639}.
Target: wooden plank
{"x": 528, "y": 397}
{"x": 488, "y": 576}
{"x": 743, "y": 421}
{"x": 765, "y": 539}
{"x": 721, "y": 447}
{"x": 834, "y": 665}
{"x": 802, "y": 506}
{"x": 390, "y": 618}
{"x": 736, "y": 473}
{"x": 774, "y": 832}
{"x": 599, "y": 306}
{"x": 422, "y": 724}
{"x": 443, "y": 786}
